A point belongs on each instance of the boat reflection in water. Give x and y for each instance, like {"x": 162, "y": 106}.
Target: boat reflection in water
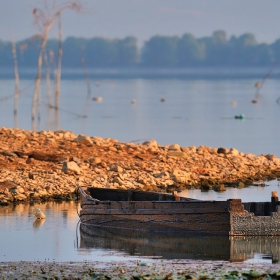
{"x": 170, "y": 246}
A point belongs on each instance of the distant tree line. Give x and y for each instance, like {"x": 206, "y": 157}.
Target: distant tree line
{"x": 158, "y": 51}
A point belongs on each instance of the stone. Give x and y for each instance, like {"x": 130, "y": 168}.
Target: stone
{"x": 95, "y": 161}
{"x": 203, "y": 150}
{"x": 177, "y": 154}
{"x": 103, "y": 164}
{"x": 97, "y": 140}
{"x": 71, "y": 167}
{"x": 16, "y": 190}
{"x": 241, "y": 185}
{"x": 30, "y": 160}
{"x": 222, "y": 151}
{"x": 234, "y": 152}
{"x": 270, "y": 157}
{"x": 219, "y": 188}
{"x": 153, "y": 150}
{"x": 31, "y": 176}
{"x": 38, "y": 213}
{"x": 174, "y": 147}
{"x": 116, "y": 168}
{"x": 151, "y": 144}
{"x": 82, "y": 139}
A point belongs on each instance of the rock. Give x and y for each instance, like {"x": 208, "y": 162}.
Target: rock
{"x": 95, "y": 161}
{"x": 71, "y": 167}
{"x": 270, "y": 157}
{"x": 250, "y": 156}
{"x": 69, "y": 135}
{"x": 202, "y": 150}
{"x": 38, "y": 213}
{"x": 153, "y": 150}
{"x": 174, "y": 147}
{"x": 17, "y": 190}
{"x": 177, "y": 154}
{"x": 219, "y": 188}
{"x": 151, "y": 144}
{"x": 192, "y": 149}
{"x": 97, "y": 140}
{"x": 75, "y": 159}
{"x": 103, "y": 164}
{"x": 30, "y": 161}
{"x": 20, "y": 197}
{"x": 241, "y": 185}
{"x": 31, "y": 176}
{"x": 222, "y": 151}
{"x": 82, "y": 139}
{"x": 113, "y": 149}
{"x": 234, "y": 152}
{"x": 118, "y": 180}
{"x": 116, "y": 168}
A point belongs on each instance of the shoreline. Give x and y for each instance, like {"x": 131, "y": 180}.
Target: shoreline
{"x": 150, "y": 269}
{"x": 50, "y": 165}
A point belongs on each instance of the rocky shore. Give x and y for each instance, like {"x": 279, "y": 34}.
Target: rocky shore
{"x": 150, "y": 269}
{"x": 39, "y": 166}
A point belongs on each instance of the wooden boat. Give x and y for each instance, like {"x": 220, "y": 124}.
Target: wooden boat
{"x": 160, "y": 212}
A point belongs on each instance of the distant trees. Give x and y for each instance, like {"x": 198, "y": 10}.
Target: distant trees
{"x": 158, "y": 51}
{"x": 189, "y": 51}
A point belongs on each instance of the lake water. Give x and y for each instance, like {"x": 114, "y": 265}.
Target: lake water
{"x": 195, "y": 112}
{"x": 60, "y": 238}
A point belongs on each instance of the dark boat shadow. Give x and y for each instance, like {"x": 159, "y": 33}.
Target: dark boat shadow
{"x": 172, "y": 246}
{"x": 156, "y": 245}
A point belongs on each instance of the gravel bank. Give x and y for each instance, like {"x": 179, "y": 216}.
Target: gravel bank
{"x": 154, "y": 269}
{"x": 39, "y": 166}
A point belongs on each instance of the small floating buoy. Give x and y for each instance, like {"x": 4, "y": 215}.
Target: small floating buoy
{"x": 240, "y": 117}
{"x": 162, "y": 100}
{"x": 38, "y": 213}
{"x": 133, "y": 101}
{"x": 97, "y": 99}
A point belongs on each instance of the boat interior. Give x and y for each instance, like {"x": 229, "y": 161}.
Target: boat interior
{"x": 261, "y": 208}
{"x": 132, "y": 195}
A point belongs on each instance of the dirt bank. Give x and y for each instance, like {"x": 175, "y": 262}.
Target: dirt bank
{"x": 50, "y": 165}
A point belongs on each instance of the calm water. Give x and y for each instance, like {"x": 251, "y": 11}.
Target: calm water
{"x": 195, "y": 112}
{"x": 60, "y": 238}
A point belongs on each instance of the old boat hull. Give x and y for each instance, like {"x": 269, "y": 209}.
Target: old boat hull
{"x": 155, "y": 212}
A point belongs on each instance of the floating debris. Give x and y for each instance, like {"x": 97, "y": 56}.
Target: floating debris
{"x": 163, "y": 100}
{"x": 240, "y": 117}
{"x": 254, "y": 101}
{"x": 133, "y": 101}
{"x": 97, "y": 99}
{"x": 233, "y": 103}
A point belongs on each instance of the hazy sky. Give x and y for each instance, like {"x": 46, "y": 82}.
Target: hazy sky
{"x": 146, "y": 18}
